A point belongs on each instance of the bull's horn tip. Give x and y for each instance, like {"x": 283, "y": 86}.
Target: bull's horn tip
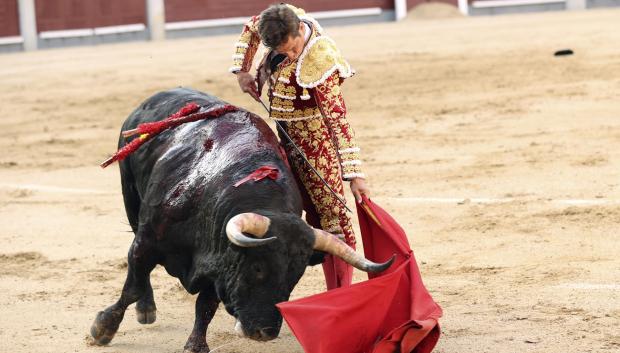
{"x": 269, "y": 240}
{"x": 384, "y": 266}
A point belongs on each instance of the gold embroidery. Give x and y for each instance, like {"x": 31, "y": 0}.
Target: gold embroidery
{"x": 246, "y": 46}
{"x": 335, "y": 90}
{"x": 297, "y": 114}
{"x": 313, "y": 137}
{"x": 282, "y": 103}
{"x": 284, "y": 90}
{"x": 314, "y": 125}
{"x": 332, "y": 104}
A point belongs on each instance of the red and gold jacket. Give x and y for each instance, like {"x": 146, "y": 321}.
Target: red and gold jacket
{"x": 308, "y": 87}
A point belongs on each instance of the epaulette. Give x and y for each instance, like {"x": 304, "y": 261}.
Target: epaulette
{"x": 319, "y": 60}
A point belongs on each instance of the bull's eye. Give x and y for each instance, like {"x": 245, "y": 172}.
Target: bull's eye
{"x": 259, "y": 272}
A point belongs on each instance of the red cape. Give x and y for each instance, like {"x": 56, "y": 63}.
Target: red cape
{"x": 391, "y": 312}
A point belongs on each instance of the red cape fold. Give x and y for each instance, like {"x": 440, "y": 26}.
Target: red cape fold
{"x": 391, "y": 312}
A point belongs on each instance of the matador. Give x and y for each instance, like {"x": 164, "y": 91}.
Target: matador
{"x": 304, "y": 70}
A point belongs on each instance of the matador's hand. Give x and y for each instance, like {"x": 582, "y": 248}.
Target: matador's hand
{"x": 358, "y": 187}
{"x": 247, "y": 84}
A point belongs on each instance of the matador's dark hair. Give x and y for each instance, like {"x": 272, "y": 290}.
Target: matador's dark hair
{"x": 276, "y": 24}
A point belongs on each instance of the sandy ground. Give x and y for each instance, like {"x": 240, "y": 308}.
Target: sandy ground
{"x": 471, "y": 109}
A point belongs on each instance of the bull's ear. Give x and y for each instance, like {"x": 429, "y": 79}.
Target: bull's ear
{"x": 317, "y": 257}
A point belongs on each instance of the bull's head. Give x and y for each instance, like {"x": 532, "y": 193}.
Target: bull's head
{"x": 269, "y": 262}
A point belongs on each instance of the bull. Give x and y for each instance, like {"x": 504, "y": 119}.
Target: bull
{"x": 244, "y": 246}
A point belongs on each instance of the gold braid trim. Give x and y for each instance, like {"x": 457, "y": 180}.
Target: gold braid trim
{"x": 246, "y": 46}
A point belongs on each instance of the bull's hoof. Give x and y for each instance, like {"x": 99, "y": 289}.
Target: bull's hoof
{"x": 196, "y": 348}
{"x": 206, "y": 350}
{"x": 146, "y": 317}
{"x": 104, "y": 328}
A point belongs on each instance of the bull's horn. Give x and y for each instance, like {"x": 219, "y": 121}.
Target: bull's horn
{"x": 330, "y": 244}
{"x": 250, "y": 223}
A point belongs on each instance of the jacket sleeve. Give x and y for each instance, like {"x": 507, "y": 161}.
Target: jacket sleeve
{"x": 329, "y": 99}
{"x": 246, "y": 46}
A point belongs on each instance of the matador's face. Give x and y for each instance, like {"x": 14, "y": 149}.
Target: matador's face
{"x": 293, "y": 46}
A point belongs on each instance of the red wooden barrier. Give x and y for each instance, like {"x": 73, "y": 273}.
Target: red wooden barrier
{"x": 413, "y": 3}
{"x": 78, "y": 14}
{"x": 192, "y": 10}
{"x": 9, "y": 18}
{"x": 53, "y": 15}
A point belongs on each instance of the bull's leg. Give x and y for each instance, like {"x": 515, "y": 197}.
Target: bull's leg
{"x": 141, "y": 262}
{"x": 206, "y": 305}
{"x": 146, "y": 311}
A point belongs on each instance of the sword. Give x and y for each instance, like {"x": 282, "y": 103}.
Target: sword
{"x": 303, "y": 156}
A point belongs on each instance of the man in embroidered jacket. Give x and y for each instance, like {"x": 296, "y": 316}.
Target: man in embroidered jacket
{"x": 305, "y": 70}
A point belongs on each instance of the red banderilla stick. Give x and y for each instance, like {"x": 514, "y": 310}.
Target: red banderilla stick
{"x": 149, "y": 130}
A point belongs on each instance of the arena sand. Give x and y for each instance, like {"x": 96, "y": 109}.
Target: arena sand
{"x": 456, "y": 108}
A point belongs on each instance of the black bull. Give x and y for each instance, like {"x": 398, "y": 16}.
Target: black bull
{"x": 245, "y": 246}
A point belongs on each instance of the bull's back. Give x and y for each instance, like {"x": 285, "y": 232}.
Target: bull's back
{"x": 174, "y": 171}
{"x": 166, "y": 103}
{"x": 234, "y": 132}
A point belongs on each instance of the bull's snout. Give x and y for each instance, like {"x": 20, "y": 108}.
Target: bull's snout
{"x": 267, "y": 334}
{"x": 262, "y": 334}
